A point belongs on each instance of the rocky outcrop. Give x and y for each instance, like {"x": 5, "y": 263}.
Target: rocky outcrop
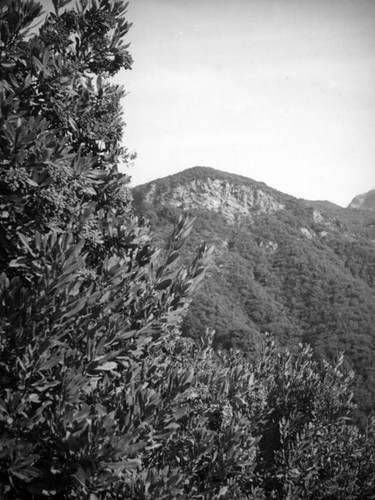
{"x": 309, "y": 235}
{"x": 318, "y": 217}
{"x": 230, "y": 199}
{"x": 365, "y": 201}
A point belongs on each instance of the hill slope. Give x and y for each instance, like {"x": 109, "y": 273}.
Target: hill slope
{"x": 365, "y": 201}
{"x": 304, "y": 271}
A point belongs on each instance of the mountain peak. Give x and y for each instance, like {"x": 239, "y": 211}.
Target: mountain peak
{"x": 301, "y": 270}
{"x": 206, "y": 188}
{"x": 365, "y": 201}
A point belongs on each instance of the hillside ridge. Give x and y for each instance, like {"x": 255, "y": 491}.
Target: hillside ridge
{"x": 364, "y": 201}
{"x": 301, "y": 270}
{"x": 232, "y": 195}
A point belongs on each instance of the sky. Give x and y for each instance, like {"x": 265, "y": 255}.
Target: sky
{"x": 281, "y": 91}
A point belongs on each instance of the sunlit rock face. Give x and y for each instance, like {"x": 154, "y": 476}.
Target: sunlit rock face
{"x": 230, "y": 199}
{"x": 365, "y": 201}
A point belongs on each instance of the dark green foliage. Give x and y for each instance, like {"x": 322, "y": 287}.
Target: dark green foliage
{"x": 72, "y": 402}
{"x": 60, "y": 121}
{"x": 278, "y": 427}
{"x": 309, "y": 448}
{"x": 269, "y": 276}
{"x": 82, "y": 294}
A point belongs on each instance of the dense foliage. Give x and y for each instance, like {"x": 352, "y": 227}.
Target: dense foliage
{"x": 305, "y": 274}
{"x": 80, "y": 284}
{"x": 100, "y": 396}
{"x": 61, "y": 123}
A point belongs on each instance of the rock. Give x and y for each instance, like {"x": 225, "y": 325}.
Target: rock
{"x": 230, "y": 199}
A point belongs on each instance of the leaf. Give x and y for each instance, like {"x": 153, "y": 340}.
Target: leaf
{"x": 4, "y": 281}
{"x": 125, "y": 464}
{"x": 74, "y": 310}
{"x": 101, "y": 410}
{"x": 32, "y": 183}
{"x": 172, "y": 426}
{"x": 27, "y": 474}
{"x": 164, "y": 284}
{"x": 38, "y": 64}
{"x": 99, "y": 82}
{"x": 25, "y": 242}
{"x": 108, "y": 366}
{"x": 172, "y": 257}
{"x": 223, "y": 491}
{"x": 81, "y": 476}
{"x": 180, "y": 412}
{"x": 96, "y": 175}
{"x": 50, "y": 363}
{"x": 73, "y": 124}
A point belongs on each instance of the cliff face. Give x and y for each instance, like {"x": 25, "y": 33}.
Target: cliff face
{"x": 232, "y": 196}
{"x": 230, "y": 199}
{"x": 365, "y": 201}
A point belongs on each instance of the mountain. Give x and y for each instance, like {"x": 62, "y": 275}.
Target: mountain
{"x": 365, "y": 201}
{"x": 301, "y": 270}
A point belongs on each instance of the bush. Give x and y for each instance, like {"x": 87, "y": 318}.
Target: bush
{"x": 82, "y": 292}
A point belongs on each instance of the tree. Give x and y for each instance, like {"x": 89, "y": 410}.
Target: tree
{"x": 61, "y": 122}
{"x": 83, "y": 293}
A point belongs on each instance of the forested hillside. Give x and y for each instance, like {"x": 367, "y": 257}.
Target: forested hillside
{"x": 303, "y": 271}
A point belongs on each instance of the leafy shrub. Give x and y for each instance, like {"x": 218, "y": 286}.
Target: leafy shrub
{"x": 74, "y": 401}
{"x": 82, "y": 295}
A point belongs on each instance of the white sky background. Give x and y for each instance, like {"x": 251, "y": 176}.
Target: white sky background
{"x": 281, "y": 91}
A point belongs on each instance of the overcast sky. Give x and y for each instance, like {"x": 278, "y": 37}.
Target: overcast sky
{"x": 282, "y": 91}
